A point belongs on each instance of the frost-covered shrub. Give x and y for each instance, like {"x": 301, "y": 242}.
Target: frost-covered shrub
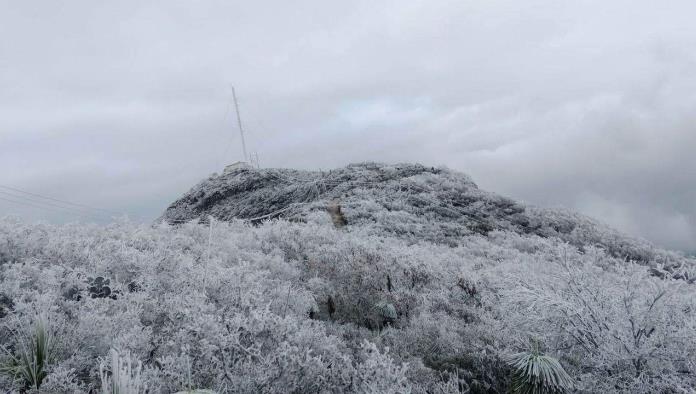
{"x": 377, "y": 373}
{"x": 247, "y": 309}
{"x": 618, "y": 328}
{"x": 62, "y": 381}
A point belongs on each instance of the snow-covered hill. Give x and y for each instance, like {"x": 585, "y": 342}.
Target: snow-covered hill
{"x": 367, "y": 279}
{"x": 409, "y": 201}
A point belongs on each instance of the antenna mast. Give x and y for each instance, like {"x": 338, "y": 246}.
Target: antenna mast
{"x": 239, "y": 121}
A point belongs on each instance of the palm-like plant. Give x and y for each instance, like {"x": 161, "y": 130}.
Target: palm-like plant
{"x": 36, "y": 350}
{"x": 535, "y": 373}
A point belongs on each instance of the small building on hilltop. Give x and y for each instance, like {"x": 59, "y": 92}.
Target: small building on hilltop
{"x": 237, "y": 166}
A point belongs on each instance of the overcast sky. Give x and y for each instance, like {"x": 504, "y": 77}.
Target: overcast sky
{"x": 124, "y": 105}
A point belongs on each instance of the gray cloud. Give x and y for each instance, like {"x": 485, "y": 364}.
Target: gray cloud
{"x": 586, "y": 104}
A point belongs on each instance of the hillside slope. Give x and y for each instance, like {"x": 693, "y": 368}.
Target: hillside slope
{"x": 369, "y": 279}
{"x": 408, "y": 201}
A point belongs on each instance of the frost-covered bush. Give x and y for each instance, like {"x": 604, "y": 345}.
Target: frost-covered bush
{"x": 306, "y": 308}
{"x": 617, "y": 327}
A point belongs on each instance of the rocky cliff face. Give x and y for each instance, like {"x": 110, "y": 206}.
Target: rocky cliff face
{"x": 408, "y": 201}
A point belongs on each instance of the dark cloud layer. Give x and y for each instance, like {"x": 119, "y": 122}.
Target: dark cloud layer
{"x": 587, "y": 104}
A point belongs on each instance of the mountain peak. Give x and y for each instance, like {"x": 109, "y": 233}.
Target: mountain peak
{"x": 412, "y": 202}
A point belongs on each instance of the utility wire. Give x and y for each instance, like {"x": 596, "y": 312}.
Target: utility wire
{"x": 43, "y": 201}
{"x": 48, "y": 203}
{"x": 59, "y": 200}
{"x": 83, "y": 215}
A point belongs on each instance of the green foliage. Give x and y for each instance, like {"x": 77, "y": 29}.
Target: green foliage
{"x": 34, "y": 353}
{"x": 534, "y": 373}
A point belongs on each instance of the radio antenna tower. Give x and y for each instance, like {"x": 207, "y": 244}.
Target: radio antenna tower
{"x": 239, "y": 122}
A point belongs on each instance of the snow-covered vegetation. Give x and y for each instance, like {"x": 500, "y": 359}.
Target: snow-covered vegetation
{"x": 408, "y": 201}
{"x": 305, "y": 306}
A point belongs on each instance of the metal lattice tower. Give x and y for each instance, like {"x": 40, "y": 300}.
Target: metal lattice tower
{"x": 239, "y": 122}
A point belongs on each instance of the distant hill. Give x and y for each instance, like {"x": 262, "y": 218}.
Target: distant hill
{"x": 408, "y": 201}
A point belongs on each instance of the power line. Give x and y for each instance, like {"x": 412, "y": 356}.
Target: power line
{"x": 46, "y": 208}
{"x": 59, "y": 200}
{"x": 48, "y": 203}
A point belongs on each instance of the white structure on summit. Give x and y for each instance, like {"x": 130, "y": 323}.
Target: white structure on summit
{"x": 238, "y": 165}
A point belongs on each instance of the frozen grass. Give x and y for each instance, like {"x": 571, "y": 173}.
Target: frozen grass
{"x": 35, "y": 350}
{"x": 123, "y": 375}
